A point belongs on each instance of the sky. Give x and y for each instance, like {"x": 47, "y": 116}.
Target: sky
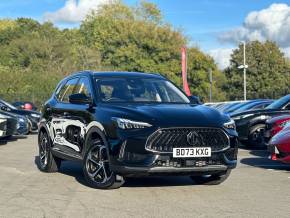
{"x": 215, "y": 26}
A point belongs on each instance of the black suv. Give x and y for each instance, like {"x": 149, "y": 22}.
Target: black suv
{"x": 122, "y": 124}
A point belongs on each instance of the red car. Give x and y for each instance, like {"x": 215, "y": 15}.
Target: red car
{"x": 279, "y": 145}
{"x": 275, "y": 125}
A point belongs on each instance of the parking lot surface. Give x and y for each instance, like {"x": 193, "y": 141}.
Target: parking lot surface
{"x": 257, "y": 188}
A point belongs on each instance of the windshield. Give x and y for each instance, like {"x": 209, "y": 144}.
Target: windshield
{"x": 4, "y": 103}
{"x": 278, "y": 104}
{"x": 139, "y": 90}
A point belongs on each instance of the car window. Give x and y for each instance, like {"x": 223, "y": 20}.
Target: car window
{"x": 287, "y": 107}
{"x": 67, "y": 89}
{"x": 280, "y": 103}
{"x": 140, "y": 90}
{"x": 84, "y": 87}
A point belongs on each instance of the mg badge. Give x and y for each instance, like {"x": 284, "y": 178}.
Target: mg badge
{"x": 193, "y": 138}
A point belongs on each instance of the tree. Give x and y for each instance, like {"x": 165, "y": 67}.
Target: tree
{"x": 199, "y": 66}
{"x": 137, "y": 39}
{"x": 133, "y": 39}
{"x": 116, "y": 37}
{"x": 267, "y": 74}
{"x": 40, "y": 52}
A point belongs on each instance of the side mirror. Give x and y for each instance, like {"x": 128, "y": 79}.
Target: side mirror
{"x": 80, "y": 99}
{"x": 4, "y": 108}
{"x": 195, "y": 99}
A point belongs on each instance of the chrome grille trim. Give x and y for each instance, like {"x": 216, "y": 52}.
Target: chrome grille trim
{"x": 176, "y": 137}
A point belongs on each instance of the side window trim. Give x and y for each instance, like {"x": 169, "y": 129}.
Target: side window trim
{"x": 89, "y": 84}
{"x": 60, "y": 100}
{"x": 58, "y": 88}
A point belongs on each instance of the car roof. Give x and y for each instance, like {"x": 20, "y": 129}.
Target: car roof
{"x": 119, "y": 74}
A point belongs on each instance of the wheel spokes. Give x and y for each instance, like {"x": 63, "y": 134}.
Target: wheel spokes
{"x": 90, "y": 158}
{"x": 43, "y": 151}
{"x": 96, "y": 164}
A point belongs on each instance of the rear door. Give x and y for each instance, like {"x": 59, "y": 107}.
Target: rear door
{"x": 60, "y": 119}
{"x": 70, "y": 120}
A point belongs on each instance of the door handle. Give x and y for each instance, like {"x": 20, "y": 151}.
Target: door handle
{"x": 65, "y": 114}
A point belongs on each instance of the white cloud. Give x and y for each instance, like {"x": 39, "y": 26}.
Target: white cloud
{"x": 272, "y": 23}
{"x": 286, "y": 51}
{"x": 221, "y": 56}
{"x": 73, "y": 11}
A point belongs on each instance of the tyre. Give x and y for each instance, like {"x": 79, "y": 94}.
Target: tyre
{"x": 96, "y": 167}
{"x": 214, "y": 179}
{"x": 46, "y": 161}
{"x": 256, "y": 136}
{"x": 29, "y": 127}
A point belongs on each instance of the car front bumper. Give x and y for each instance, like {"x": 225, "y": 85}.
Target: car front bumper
{"x": 129, "y": 157}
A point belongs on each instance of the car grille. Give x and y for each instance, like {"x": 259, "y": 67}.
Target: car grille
{"x": 164, "y": 140}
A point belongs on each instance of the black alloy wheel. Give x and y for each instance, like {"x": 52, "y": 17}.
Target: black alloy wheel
{"x": 97, "y": 168}
{"x": 46, "y": 161}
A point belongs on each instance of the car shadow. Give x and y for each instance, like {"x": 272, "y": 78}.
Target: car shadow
{"x": 74, "y": 169}
{"x": 263, "y": 162}
{"x": 5, "y": 140}
{"x": 158, "y": 181}
{"x": 258, "y": 148}
{"x": 260, "y": 159}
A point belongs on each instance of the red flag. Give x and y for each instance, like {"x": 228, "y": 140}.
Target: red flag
{"x": 184, "y": 70}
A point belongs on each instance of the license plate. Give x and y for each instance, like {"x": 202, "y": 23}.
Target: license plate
{"x": 192, "y": 152}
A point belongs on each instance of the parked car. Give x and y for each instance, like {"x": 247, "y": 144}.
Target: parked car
{"x": 275, "y": 125}
{"x": 3, "y": 126}
{"x": 279, "y": 145}
{"x": 252, "y": 105}
{"x": 8, "y": 125}
{"x": 235, "y": 106}
{"x": 121, "y": 124}
{"x": 22, "y": 125}
{"x": 226, "y": 106}
{"x": 25, "y": 105}
{"x": 32, "y": 116}
{"x": 251, "y": 124}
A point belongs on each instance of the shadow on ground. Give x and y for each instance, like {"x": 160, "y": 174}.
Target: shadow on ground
{"x": 260, "y": 158}
{"x": 6, "y": 140}
{"x": 74, "y": 169}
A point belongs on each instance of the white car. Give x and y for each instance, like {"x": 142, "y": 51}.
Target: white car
{"x": 3, "y": 126}
{"x": 8, "y": 125}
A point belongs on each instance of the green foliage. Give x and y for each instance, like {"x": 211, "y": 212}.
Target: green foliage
{"x": 267, "y": 76}
{"x": 34, "y": 56}
{"x": 199, "y": 67}
{"x": 137, "y": 39}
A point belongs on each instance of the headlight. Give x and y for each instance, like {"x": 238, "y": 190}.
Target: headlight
{"x": 230, "y": 125}
{"x": 35, "y": 115}
{"x": 130, "y": 124}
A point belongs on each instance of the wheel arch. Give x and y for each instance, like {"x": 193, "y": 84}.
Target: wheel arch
{"x": 94, "y": 132}
{"x": 261, "y": 120}
{"x": 42, "y": 129}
